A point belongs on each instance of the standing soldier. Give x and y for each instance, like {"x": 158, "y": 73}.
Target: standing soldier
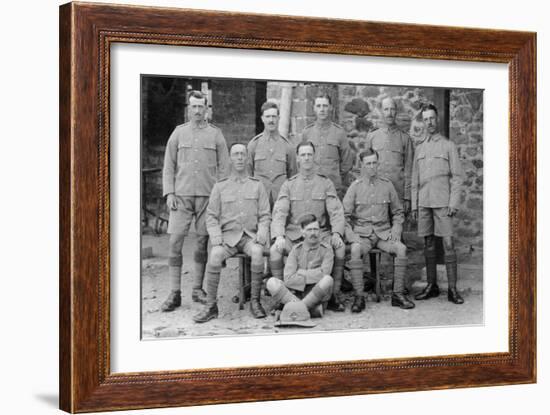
{"x": 271, "y": 157}
{"x": 368, "y": 204}
{"x": 308, "y": 192}
{"x": 436, "y": 182}
{"x": 333, "y": 155}
{"x": 196, "y": 155}
{"x": 395, "y": 149}
{"x": 237, "y": 219}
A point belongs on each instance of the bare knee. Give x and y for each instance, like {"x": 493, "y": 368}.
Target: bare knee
{"x": 202, "y": 242}
{"x": 400, "y": 250}
{"x": 340, "y": 253}
{"x": 448, "y": 243}
{"x": 273, "y": 285}
{"x": 274, "y": 254}
{"x": 175, "y": 243}
{"x": 216, "y": 256}
{"x": 256, "y": 254}
{"x": 355, "y": 251}
{"x": 326, "y": 283}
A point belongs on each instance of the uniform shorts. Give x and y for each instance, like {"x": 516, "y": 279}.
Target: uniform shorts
{"x": 245, "y": 246}
{"x": 373, "y": 241}
{"x": 180, "y": 220}
{"x": 434, "y": 221}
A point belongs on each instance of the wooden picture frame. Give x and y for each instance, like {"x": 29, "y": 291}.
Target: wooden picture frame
{"x": 86, "y": 33}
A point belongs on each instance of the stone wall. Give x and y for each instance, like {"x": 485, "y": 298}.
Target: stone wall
{"x": 466, "y": 130}
{"x": 357, "y": 108}
{"x": 358, "y": 111}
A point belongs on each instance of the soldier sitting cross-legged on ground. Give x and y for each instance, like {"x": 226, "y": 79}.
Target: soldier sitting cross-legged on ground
{"x": 307, "y": 271}
{"x": 237, "y": 220}
{"x": 367, "y": 207}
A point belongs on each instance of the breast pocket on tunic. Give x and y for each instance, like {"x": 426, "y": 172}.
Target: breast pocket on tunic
{"x": 439, "y": 164}
{"x": 332, "y": 152}
{"x": 209, "y": 151}
{"x": 185, "y": 153}
{"x": 297, "y": 206}
{"x": 251, "y": 202}
{"x": 228, "y": 201}
{"x": 279, "y": 165}
{"x": 380, "y": 210}
{"x": 318, "y": 200}
{"x": 260, "y": 161}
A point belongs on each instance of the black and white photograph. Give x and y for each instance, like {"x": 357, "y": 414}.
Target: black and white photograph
{"x": 279, "y": 207}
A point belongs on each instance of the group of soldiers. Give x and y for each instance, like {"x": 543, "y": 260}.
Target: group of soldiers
{"x": 292, "y": 200}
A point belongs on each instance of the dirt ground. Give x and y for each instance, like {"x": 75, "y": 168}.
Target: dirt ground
{"x": 231, "y": 320}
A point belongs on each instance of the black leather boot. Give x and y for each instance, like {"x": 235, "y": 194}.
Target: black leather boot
{"x": 398, "y": 298}
{"x": 256, "y": 277}
{"x": 358, "y": 304}
{"x": 432, "y": 289}
{"x": 172, "y": 302}
{"x": 451, "y": 266}
{"x": 198, "y": 296}
{"x": 208, "y": 313}
{"x": 335, "y": 304}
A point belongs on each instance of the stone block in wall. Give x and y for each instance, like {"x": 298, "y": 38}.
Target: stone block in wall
{"x": 299, "y": 108}
{"x": 299, "y": 92}
{"x": 371, "y": 91}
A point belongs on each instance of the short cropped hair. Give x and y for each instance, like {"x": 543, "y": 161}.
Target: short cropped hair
{"x": 237, "y": 144}
{"x": 427, "y": 107}
{"x": 366, "y": 153}
{"x": 269, "y": 105}
{"x": 323, "y": 94}
{"x": 198, "y": 95}
{"x": 306, "y": 219}
{"x": 305, "y": 144}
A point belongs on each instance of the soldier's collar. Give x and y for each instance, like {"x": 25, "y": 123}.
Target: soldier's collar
{"x": 200, "y": 126}
{"x": 307, "y": 176}
{"x": 323, "y": 124}
{"x": 269, "y": 135}
{"x": 236, "y": 178}
{"x": 389, "y": 128}
{"x": 434, "y": 137}
{"x": 309, "y": 246}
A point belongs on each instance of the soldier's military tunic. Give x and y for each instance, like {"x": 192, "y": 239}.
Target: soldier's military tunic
{"x": 272, "y": 160}
{"x": 307, "y": 194}
{"x": 307, "y": 264}
{"x": 368, "y": 204}
{"x": 333, "y": 155}
{"x": 238, "y": 210}
{"x": 195, "y": 157}
{"x": 436, "y": 185}
{"x": 395, "y": 151}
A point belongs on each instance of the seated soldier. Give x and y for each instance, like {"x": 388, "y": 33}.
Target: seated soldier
{"x": 237, "y": 220}
{"x": 308, "y": 192}
{"x": 307, "y": 270}
{"x": 367, "y": 205}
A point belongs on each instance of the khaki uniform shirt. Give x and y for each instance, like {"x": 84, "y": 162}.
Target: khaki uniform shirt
{"x": 395, "y": 151}
{"x": 437, "y": 174}
{"x": 367, "y": 207}
{"x": 299, "y": 195}
{"x": 237, "y": 206}
{"x": 307, "y": 264}
{"x": 195, "y": 158}
{"x": 333, "y": 155}
{"x": 272, "y": 160}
